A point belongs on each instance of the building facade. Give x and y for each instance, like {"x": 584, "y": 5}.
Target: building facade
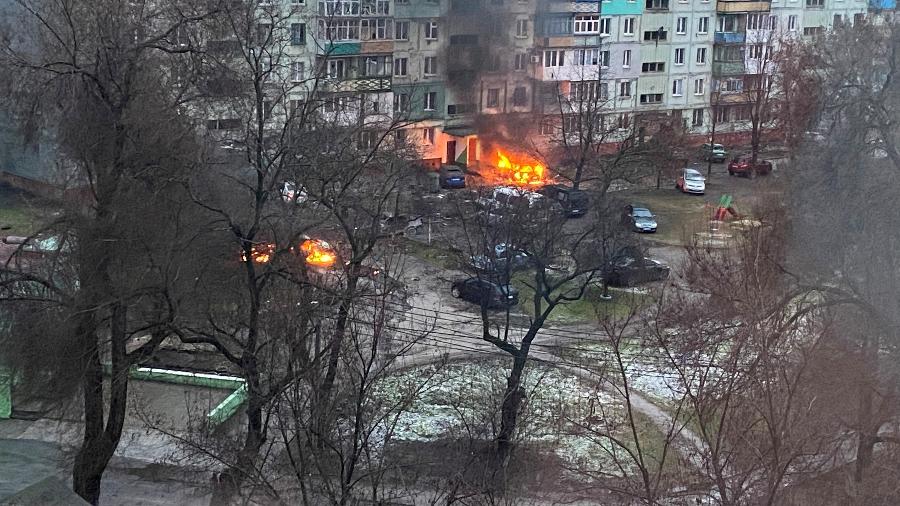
{"x": 465, "y": 73}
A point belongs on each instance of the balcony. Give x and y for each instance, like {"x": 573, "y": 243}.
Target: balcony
{"x": 742, "y": 6}
{"x": 729, "y": 37}
{"x": 727, "y": 68}
{"x": 361, "y": 84}
{"x": 339, "y": 48}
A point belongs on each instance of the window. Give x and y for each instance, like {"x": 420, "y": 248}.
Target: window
{"x": 703, "y": 25}
{"x": 588, "y": 56}
{"x": 430, "y": 65}
{"x": 623, "y": 121}
{"x": 753, "y": 21}
{"x": 493, "y": 97}
{"x": 815, "y": 3}
{"x": 678, "y": 87}
{"x": 729, "y": 23}
{"x": 655, "y": 34}
{"x": 837, "y": 21}
{"x": 548, "y": 126}
{"x": 431, "y": 30}
{"x": 679, "y": 56}
{"x": 297, "y": 71}
{"x": 625, "y": 89}
{"x": 376, "y": 29}
{"x": 374, "y": 66}
{"x": 401, "y": 102}
{"x": 771, "y": 22}
{"x": 792, "y": 22}
{"x": 580, "y": 91}
{"x": 628, "y": 26}
{"x": 554, "y": 58}
{"x": 338, "y": 7}
{"x": 653, "y": 67}
{"x": 604, "y": 59}
{"x": 522, "y": 28}
{"x": 400, "y": 66}
{"x": 605, "y": 26}
{"x": 681, "y": 25}
{"x": 756, "y": 51}
{"x": 813, "y": 30}
{"x": 368, "y": 139}
{"x": 698, "y": 86}
{"x": 651, "y": 98}
{"x": 858, "y": 18}
{"x": 701, "y": 55}
{"x": 520, "y": 96}
{"x": 401, "y": 30}
{"x": 626, "y": 58}
{"x": 298, "y": 34}
{"x": 520, "y": 61}
{"x": 428, "y": 135}
{"x": 657, "y": 4}
{"x": 720, "y": 114}
{"x": 262, "y": 33}
{"x": 697, "y": 118}
{"x": 731, "y": 85}
{"x": 587, "y": 24}
{"x": 336, "y": 69}
{"x": 430, "y": 100}
{"x": 339, "y": 29}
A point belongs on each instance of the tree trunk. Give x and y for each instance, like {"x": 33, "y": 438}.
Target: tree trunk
{"x": 99, "y": 442}
{"x": 509, "y": 412}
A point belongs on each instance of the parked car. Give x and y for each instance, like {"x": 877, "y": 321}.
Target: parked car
{"x": 452, "y": 176}
{"x": 744, "y": 166}
{"x": 508, "y": 201}
{"x": 291, "y": 193}
{"x": 573, "y": 202}
{"x": 499, "y": 262}
{"x": 639, "y": 218}
{"x": 486, "y": 293}
{"x": 691, "y": 181}
{"x": 714, "y": 152}
{"x": 630, "y": 269}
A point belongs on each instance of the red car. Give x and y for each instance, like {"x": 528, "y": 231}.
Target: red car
{"x": 743, "y": 166}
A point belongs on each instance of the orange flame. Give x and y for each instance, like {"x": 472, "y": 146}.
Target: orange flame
{"x": 520, "y": 174}
{"x": 260, "y": 253}
{"x": 318, "y": 253}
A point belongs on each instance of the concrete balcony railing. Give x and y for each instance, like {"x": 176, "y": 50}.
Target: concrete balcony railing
{"x": 742, "y": 6}
{"x": 729, "y": 38}
{"x": 728, "y": 68}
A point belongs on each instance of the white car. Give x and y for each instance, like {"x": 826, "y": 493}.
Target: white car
{"x": 509, "y": 196}
{"x": 691, "y": 181}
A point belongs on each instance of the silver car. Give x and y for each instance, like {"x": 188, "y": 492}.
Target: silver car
{"x": 691, "y": 181}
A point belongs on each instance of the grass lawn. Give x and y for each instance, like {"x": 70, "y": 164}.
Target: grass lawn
{"x": 589, "y": 308}
{"x": 678, "y": 215}
{"x": 20, "y": 214}
{"x": 435, "y": 254}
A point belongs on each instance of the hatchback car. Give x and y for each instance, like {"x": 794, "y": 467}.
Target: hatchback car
{"x": 691, "y": 181}
{"x": 485, "y": 293}
{"x": 639, "y": 218}
{"x": 452, "y": 176}
{"x": 714, "y": 152}
{"x": 573, "y": 202}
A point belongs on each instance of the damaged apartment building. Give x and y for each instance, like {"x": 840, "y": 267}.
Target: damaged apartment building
{"x": 467, "y": 73}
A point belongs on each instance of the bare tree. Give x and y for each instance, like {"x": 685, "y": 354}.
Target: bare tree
{"x": 95, "y": 72}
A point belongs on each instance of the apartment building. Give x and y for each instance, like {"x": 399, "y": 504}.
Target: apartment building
{"x": 465, "y": 73}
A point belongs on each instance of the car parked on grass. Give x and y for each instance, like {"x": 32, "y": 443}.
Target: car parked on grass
{"x": 713, "y": 152}
{"x": 744, "y": 166}
{"x": 485, "y": 293}
{"x": 691, "y": 181}
{"x": 639, "y": 218}
{"x": 573, "y": 202}
{"x": 452, "y": 176}
{"x": 632, "y": 269}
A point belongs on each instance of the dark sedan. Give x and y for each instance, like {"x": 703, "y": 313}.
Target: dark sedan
{"x": 628, "y": 271}
{"x": 485, "y": 293}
